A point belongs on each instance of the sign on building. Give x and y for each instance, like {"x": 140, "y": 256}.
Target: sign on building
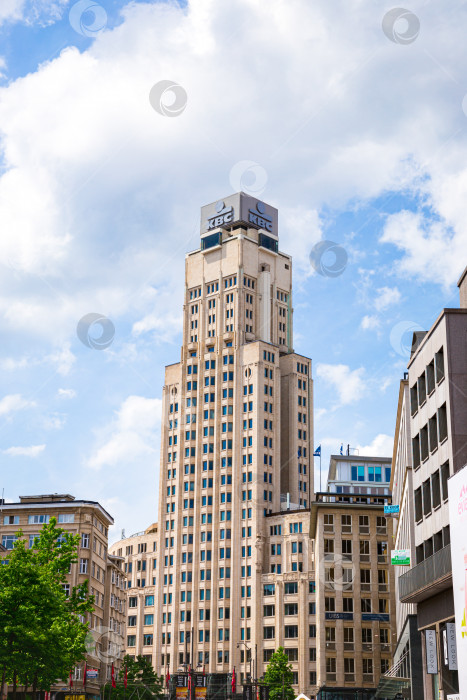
{"x": 457, "y": 491}
{"x": 239, "y": 208}
{"x": 400, "y": 557}
{"x": 430, "y": 651}
{"x": 391, "y": 510}
{"x": 450, "y": 646}
{"x": 338, "y": 616}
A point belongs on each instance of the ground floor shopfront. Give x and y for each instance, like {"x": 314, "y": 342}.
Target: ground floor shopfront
{"x": 436, "y": 625}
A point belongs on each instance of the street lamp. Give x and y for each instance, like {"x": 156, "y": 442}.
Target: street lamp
{"x": 248, "y": 650}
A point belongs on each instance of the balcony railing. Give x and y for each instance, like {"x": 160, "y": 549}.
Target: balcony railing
{"x": 427, "y": 578}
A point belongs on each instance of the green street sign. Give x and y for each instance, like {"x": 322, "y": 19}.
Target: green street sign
{"x": 400, "y": 557}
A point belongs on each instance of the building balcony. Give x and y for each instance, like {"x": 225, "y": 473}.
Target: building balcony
{"x": 424, "y": 580}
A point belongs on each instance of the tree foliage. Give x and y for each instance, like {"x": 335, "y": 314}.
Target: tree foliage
{"x": 43, "y": 636}
{"x": 279, "y": 677}
{"x": 143, "y": 683}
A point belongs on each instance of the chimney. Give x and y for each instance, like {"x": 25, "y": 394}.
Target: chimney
{"x": 462, "y": 284}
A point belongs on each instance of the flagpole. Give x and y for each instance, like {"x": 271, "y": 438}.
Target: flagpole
{"x": 320, "y": 470}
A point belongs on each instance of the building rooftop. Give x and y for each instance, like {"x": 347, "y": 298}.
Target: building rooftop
{"x": 47, "y": 498}
{"x": 334, "y": 460}
{"x": 54, "y": 500}
{"x": 427, "y": 334}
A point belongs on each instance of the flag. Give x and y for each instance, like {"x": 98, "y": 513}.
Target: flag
{"x": 167, "y": 677}
{"x": 189, "y": 681}
{"x": 317, "y": 452}
{"x": 342, "y": 449}
{"x": 125, "y": 677}
{"x": 85, "y": 673}
{"x": 71, "y": 681}
{"x": 233, "y": 680}
{"x": 114, "y": 685}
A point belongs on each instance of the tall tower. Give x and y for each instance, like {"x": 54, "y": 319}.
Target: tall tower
{"x": 236, "y": 474}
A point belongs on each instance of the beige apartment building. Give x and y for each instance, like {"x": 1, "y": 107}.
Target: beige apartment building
{"x": 104, "y": 572}
{"x": 355, "y": 604}
{"x": 139, "y": 554}
{"x": 437, "y": 380}
{"x": 235, "y": 570}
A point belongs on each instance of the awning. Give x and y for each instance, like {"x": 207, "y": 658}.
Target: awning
{"x": 389, "y": 686}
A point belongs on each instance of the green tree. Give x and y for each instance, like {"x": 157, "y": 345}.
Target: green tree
{"x": 279, "y": 677}
{"x": 43, "y": 635}
{"x": 142, "y": 681}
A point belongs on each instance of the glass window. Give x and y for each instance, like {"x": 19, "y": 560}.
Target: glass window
{"x": 66, "y": 518}
{"x": 31, "y": 540}
{"x": 38, "y": 519}
{"x": 8, "y": 541}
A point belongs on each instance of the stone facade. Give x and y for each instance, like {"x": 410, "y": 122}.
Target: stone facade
{"x": 104, "y": 572}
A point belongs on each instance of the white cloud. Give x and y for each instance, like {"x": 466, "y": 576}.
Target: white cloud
{"x": 32, "y": 451}
{"x": 63, "y": 359}
{"x": 66, "y": 393}
{"x": 11, "y": 10}
{"x": 54, "y": 421}
{"x": 381, "y": 446}
{"x": 349, "y": 384}
{"x": 301, "y": 229}
{"x": 434, "y": 250}
{"x": 370, "y": 323}
{"x": 131, "y": 436}
{"x": 385, "y": 297}
{"x": 14, "y": 402}
{"x": 42, "y": 12}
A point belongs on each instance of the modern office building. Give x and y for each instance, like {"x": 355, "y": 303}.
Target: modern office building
{"x": 104, "y": 573}
{"x": 407, "y": 661}
{"x": 437, "y": 377}
{"x": 355, "y": 604}
{"x": 140, "y": 566}
{"x": 235, "y": 567}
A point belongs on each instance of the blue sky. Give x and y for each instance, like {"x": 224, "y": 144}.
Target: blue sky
{"x": 356, "y": 138}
